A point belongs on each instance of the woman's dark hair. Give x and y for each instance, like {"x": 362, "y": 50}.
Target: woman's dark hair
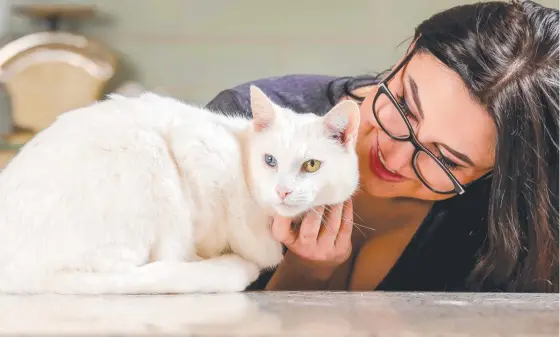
{"x": 508, "y": 56}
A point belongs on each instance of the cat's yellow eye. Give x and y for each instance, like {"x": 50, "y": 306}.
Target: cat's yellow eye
{"x": 311, "y": 166}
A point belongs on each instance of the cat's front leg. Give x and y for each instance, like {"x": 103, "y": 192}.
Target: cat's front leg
{"x": 232, "y": 272}
{"x": 258, "y": 246}
{"x": 225, "y": 273}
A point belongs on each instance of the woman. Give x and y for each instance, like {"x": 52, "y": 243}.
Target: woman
{"x": 458, "y": 149}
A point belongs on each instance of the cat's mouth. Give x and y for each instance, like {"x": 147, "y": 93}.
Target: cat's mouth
{"x": 288, "y": 210}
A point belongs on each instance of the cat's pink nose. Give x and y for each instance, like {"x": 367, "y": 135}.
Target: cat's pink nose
{"x": 282, "y": 192}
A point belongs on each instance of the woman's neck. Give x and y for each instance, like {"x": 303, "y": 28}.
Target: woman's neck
{"x": 386, "y": 214}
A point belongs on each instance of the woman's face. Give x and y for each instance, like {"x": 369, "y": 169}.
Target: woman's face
{"x": 446, "y": 120}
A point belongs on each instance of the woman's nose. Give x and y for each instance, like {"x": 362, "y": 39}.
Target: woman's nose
{"x": 398, "y": 156}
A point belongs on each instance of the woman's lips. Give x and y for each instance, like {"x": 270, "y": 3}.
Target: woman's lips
{"x": 377, "y": 166}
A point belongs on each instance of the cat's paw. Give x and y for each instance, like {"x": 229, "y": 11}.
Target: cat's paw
{"x": 240, "y": 272}
{"x": 271, "y": 256}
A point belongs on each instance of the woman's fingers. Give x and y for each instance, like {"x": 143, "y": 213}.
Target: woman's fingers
{"x": 310, "y": 226}
{"x": 325, "y": 243}
{"x": 344, "y": 236}
{"x": 330, "y": 230}
{"x": 282, "y": 230}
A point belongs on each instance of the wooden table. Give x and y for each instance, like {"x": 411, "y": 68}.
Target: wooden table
{"x": 293, "y": 314}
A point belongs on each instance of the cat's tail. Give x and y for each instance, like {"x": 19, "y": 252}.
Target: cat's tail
{"x": 227, "y": 273}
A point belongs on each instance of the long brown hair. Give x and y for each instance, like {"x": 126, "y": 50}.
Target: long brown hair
{"x": 508, "y": 56}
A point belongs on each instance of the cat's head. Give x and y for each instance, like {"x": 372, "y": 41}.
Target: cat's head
{"x": 299, "y": 161}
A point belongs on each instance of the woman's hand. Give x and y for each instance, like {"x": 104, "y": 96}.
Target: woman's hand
{"x": 320, "y": 245}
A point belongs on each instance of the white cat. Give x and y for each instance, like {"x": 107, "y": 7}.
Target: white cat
{"x": 150, "y": 195}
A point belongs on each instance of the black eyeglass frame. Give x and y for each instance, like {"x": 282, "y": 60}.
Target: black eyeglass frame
{"x": 418, "y": 147}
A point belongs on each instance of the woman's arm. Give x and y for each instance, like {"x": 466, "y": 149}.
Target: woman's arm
{"x": 295, "y": 274}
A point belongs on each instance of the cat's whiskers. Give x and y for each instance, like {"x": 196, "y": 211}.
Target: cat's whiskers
{"x": 327, "y": 208}
{"x": 363, "y": 226}
{"x": 359, "y": 188}
{"x": 358, "y": 216}
{"x": 323, "y": 223}
{"x": 355, "y": 224}
{"x": 300, "y": 199}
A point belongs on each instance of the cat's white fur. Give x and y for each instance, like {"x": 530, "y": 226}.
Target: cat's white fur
{"x": 151, "y": 195}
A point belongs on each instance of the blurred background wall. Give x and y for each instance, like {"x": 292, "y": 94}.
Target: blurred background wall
{"x": 192, "y": 49}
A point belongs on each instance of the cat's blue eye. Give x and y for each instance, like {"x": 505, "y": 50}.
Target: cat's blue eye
{"x": 270, "y": 160}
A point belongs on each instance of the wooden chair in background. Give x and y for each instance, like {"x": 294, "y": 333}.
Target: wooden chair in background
{"x": 48, "y": 73}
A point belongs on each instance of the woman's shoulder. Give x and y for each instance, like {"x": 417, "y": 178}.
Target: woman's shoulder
{"x": 300, "y": 92}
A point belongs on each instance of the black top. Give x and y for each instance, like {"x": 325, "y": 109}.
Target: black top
{"x": 444, "y": 250}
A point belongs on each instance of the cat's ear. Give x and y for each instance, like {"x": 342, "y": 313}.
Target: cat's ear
{"x": 342, "y": 122}
{"x": 262, "y": 108}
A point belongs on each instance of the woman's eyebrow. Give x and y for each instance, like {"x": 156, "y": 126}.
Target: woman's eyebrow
{"x": 459, "y": 155}
{"x": 414, "y": 88}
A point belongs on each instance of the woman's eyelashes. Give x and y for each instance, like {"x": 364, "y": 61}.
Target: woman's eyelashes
{"x": 450, "y": 164}
{"x": 405, "y": 107}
